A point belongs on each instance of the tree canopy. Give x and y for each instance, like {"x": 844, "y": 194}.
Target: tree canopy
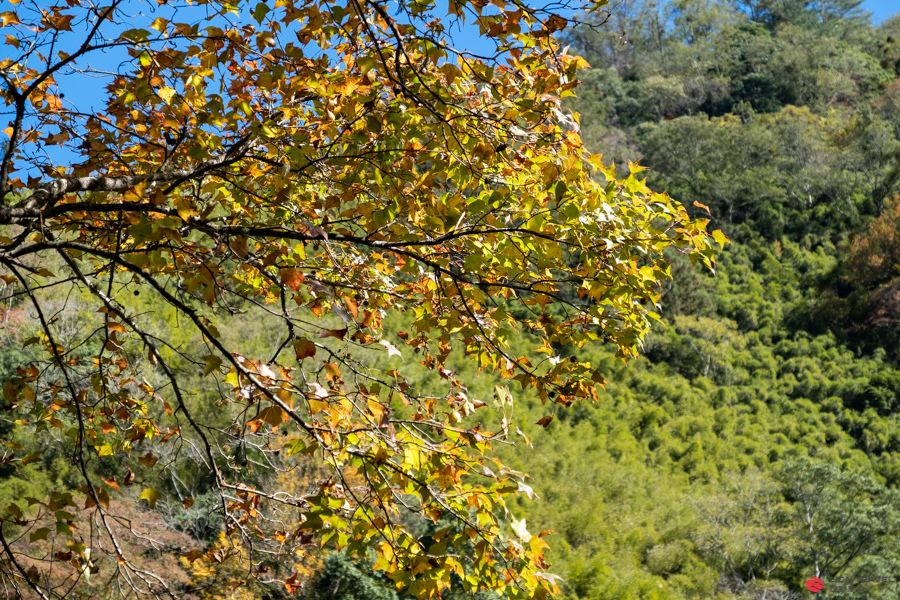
{"x": 307, "y": 172}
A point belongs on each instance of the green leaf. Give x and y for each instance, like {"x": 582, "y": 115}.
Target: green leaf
{"x": 14, "y": 510}
{"x": 295, "y": 447}
{"x": 260, "y": 12}
{"x": 212, "y": 364}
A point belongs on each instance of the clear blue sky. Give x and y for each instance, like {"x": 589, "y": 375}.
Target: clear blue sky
{"x": 91, "y": 97}
{"x": 882, "y": 9}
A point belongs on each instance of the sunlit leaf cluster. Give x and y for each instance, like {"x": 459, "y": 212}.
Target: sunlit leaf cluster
{"x": 325, "y": 167}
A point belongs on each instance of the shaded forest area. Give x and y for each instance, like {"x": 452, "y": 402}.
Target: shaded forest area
{"x": 757, "y": 442}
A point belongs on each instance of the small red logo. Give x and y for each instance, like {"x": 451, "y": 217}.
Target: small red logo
{"x": 815, "y": 585}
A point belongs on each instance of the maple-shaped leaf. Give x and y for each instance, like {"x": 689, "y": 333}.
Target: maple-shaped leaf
{"x": 212, "y": 364}
{"x": 292, "y": 584}
{"x": 304, "y": 348}
{"x": 519, "y": 528}
{"x": 293, "y": 278}
{"x": 274, "y": 416}
{"x": 391, "y": 349}
{"x": 151, "y": 496}
{"x": 148, "y": 460}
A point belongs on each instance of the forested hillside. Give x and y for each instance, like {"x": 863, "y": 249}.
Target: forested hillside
{"x": 753, "y": 445}
{"x": 757, "y": 443}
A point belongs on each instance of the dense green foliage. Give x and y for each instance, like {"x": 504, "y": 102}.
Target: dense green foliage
{"x": 757, "y": 442}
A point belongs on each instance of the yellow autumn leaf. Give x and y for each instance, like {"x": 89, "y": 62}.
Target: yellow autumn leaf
{"x": 166, "y": 93}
